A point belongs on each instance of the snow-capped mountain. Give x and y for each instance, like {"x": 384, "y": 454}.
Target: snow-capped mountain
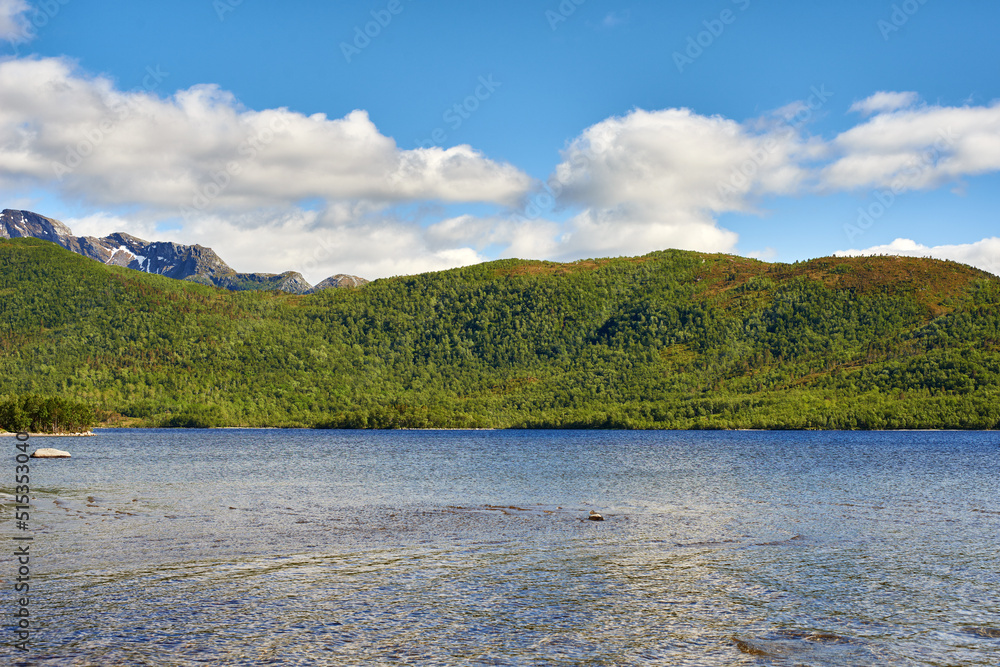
{"x": 173, "y": 260}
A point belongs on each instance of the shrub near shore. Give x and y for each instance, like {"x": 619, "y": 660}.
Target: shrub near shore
{"x": 39, "y": 414}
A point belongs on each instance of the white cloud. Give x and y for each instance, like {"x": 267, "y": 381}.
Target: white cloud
{"x": 608, "y": 233}
{"x": 651, "y": 180}
{"x": 201, "y": 150}
{"x": 916, "y": 149}
{"x": 665, "y": 167}
{"x": 101, "y": 224}
{"x": 984, "y": 254}
{"x": 318, "y": 248}
{"x": 883, "y": 101}
{"x": 12, "y": 20}
{"x": 514, "y": 237}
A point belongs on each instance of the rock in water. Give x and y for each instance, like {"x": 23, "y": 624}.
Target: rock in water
{"x": 594, "y": 516}
{"x": 49, "y": 453}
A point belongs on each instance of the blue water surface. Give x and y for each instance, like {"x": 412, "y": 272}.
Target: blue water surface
{"x": 293, "y": 547}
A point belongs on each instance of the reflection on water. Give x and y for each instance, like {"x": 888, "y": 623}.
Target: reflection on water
{"x": 299, "y": 547}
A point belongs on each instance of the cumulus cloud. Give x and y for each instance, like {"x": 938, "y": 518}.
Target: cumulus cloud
{"x": 201, "y": 151}
{"x": 318, "y": 247}
{"x": 658, "y": 179}
{"x": 12, "y": 19}
{"x": 677, "y": 168}
{"x": 102, "y": 223}
{"x": 885, "y": 101}
{"x": 507, "y": 236}
{"x": 916, "y": 149}
{"x": 984, "y": 254}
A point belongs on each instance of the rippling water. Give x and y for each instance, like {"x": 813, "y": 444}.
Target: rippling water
{"x": 454, "y": 548}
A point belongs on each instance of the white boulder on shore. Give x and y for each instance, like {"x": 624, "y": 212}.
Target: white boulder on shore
{"x": 49, "y": 453}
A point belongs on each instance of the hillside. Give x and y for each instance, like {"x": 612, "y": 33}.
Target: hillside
{"x": 670, "y": 340}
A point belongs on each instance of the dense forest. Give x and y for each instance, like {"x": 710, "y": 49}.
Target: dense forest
{"x": 673, "y": 339}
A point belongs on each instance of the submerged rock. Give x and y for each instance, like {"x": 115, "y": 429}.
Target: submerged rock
{"x": 987, "y": 633}
{"x": 594, "y": 516}
{"x": 751, "y": 649}
{"x": 807, "y": 647}
{"x": 49, "y": 453}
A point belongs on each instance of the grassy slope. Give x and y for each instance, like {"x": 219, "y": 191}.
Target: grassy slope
{"x": 669, "y": 340}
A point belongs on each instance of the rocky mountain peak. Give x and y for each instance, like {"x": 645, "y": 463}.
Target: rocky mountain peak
{"x": 339, "y": 280}
{"x": 173, "y": 260}
{"x": 20, "y": 224}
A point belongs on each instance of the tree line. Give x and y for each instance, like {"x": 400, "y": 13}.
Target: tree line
{"x": 673, "y": 339}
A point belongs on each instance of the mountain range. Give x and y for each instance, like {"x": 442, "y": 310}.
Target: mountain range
{"x": 173, "y": 260}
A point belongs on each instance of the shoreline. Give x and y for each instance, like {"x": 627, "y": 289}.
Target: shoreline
{"x": 474, "y": 429}
{"x": 89, "y": 434}
{"x": 83, "y": 434}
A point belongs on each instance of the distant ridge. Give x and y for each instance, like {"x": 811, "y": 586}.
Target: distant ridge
{"x": 173, "y": 260}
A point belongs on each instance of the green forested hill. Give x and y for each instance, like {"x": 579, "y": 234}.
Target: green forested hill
{"x": 670, "y": 340}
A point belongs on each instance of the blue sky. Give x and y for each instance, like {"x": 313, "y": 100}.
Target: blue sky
{"x": 285, "y": 137}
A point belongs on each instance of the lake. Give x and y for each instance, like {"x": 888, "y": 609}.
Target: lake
{"x": 295, "y": 547}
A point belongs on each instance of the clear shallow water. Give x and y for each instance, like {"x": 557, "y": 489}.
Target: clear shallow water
{"x": 719, "y": 548}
